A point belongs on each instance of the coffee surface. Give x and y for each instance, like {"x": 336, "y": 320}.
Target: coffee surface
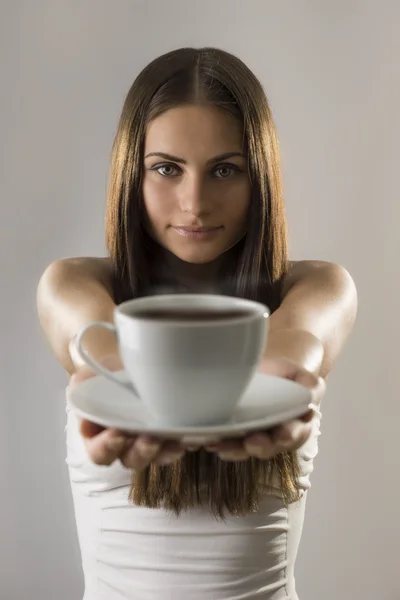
{"x": 190, "y": 314}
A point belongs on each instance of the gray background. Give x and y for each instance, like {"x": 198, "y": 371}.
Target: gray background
{"x": 331, "y": 71}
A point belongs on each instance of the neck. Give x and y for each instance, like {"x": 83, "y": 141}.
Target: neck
{"x": 195, "y": 278}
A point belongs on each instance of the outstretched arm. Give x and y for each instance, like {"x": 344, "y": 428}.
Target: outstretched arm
{"x": 71, "y": 293}
{"x": 316, "y": 316}
{"x": 310, "y": 327}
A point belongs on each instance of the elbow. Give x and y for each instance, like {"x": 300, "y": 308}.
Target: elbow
{"x": 50, "y": 282}
{"x": 347, "y": 291}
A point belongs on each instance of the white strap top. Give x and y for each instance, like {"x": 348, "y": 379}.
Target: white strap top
{"x": 135, "y": 553}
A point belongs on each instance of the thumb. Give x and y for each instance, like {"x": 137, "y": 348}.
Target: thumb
{"x": 287, "y": 369}
{"x": 89, "y": 429}
{"x": 110, "y": 361}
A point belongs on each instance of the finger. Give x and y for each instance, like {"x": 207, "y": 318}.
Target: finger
{"x": 260, "y": 445}
{"x": 82, "y": 374}
{"x": 168, "y": 458}
{"x": 237, "y": 455}
{"x": 170, "y": 452}
{"x": 141, "y": 453}
{"x": 172, "y": 447}
{"x": 89, "y": 429}
{"x": 293, "y": 445}
{"x": 111, "y": 361}
{"x": 106, "y": 447}
{"x": 282, "y": 367}
{"x": 291, "y": 435}
{"x": 266, "y": 445}
{"x": 229, "y": 445}
{"x": 307, "y": 417}
{"x": 318, "y": 392}
{"x": 301, "y": 440}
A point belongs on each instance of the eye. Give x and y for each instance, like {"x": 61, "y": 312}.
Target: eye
{"x": 225, "y": 171}
{"x": 166, "y": 170}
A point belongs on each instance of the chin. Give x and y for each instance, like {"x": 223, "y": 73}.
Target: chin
{"x": 196, "y": 258}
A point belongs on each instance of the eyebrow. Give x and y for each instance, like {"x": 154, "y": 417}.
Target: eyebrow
{"x": 212, "y": 161}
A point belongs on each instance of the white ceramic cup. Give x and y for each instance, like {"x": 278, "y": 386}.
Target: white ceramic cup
{"x": 188, "y": 370}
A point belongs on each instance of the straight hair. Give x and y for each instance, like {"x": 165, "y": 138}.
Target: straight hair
{"x": 254, "y": 268}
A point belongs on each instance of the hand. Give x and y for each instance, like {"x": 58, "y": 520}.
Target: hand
{"x": 104, "y": 446}
{"x": 286, "y": 437}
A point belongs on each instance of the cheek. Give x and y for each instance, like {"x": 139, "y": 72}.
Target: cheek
{"x": 156, "y": 204}
{"x": 237, "y": 204}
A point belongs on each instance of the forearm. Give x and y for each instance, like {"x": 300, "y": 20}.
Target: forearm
{"x": 72, "y": 293}
{"x": 316, "y": 316}
{"x": 298, "y": 346}
{"x": 309, "y": 328}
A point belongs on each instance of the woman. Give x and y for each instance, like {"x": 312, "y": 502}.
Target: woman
{"x": 195, "y": 203}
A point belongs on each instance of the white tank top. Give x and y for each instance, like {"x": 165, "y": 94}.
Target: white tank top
{"x": 136, "y": 553}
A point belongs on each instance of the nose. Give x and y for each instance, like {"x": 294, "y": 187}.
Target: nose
{"x": 193, "y": 197}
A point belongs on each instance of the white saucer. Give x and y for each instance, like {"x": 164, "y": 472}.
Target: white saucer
{"x": 267, "y": 401}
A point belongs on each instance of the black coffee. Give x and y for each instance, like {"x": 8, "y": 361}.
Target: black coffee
{"x": 191, "y": 314}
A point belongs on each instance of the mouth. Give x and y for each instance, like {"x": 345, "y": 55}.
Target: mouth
{"x": 196, "y": 232}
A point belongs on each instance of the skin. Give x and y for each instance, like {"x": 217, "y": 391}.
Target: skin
{"x": 306, "y": 333}
{"x": 199, "y": 189}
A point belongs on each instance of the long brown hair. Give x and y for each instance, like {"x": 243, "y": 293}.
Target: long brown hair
{"x": 257, "y": 264}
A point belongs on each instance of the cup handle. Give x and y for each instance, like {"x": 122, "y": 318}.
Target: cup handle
{"x": 96, "y": 366}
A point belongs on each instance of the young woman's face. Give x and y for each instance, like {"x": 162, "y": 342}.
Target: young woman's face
{"x": 196, "y": 185}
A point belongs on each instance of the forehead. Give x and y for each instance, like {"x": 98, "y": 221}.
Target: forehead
{"x": 194, "y": 129}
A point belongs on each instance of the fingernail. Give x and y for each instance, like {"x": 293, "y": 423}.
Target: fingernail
{"x": 168, "y": 459}
{"x": 116, "y": 443}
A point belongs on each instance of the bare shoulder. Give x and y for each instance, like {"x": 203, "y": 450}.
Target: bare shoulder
{"x": 321, "y": 271}
{"x": 313, "y": 266}
{"x": 101, "y": 262}
{"x": 308, "y": 265}
{"x": 63, "y": 270}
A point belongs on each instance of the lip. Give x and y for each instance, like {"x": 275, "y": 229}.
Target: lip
{"x": 196, "y": 232}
